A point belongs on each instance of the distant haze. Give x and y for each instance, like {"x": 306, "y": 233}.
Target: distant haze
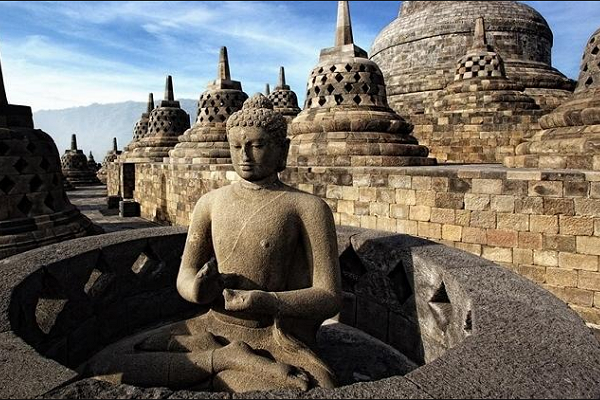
{"x": 96, "y": 125}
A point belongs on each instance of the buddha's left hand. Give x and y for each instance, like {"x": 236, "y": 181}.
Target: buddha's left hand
{"x": 255, "y": 301}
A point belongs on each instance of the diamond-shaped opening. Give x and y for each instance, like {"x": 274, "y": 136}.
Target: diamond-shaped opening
{"x": 211, "y": 118}
{"x": 317, "y": 90}
{"x": 35, "y": 183}
{"x": 4, "y": 148}
{"x": 352, "y": 269}
{"x": 25, "y": 205}
{"x": 47, "y": 311}
{"x": 357, "y": 99}
{"x": 338, "y": 99}
{"x": 441, "y": 308}
{"x": 401, "y": 284}
{"x": 348, "y": 67}
{"x": 362, "y": 68}
{"x": 314, "y": 80}
{"x": 322, "y": 100}
{"x": 357, "y": 77}
{"x": 330, "y": 88}
{"x": 320, "y": 70}
{"x": 20, "y": 165}
{"x": 49, "y": 202}
{"x": 592, "y": 40}
{"x": 222, "y": 117}
{"x": 595, "y": 50}
{"x": 348, "y": 87}
{"x": 339, "y": 77}
{"x": 365, "y": 88}
{"x": 228, "y": 110}
{"x": 589, "y": 81}
{"x": 31, "y": 147}
{"x": 226, "y": 97}
{"x": 468, "y": 322}
{"x": 308, "y": 102}
{"x": 6, "y": 184}
{"x": 440, "y": 295}
{"x": 218, "y": 96}
{"x": 332, "y": 68}
{"x": 323, "y": 79}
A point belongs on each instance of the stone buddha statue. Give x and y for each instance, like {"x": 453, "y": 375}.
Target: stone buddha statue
{"x": 263, "y": 257}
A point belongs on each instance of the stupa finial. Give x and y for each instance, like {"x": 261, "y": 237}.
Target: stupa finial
{"x": 267, "y": 89}
{"x": 169, "y": 95}
{"x": 223, "y": 72}
{"x": 150, "y": 106}
{"x": 73, "y": 142}
{"x": 343, "y": 32}
{"x": 479, "y": 40}
{"x": 3, "y": 99}
{"x": 115, "y": 144}
{"x": 281, "y": 77}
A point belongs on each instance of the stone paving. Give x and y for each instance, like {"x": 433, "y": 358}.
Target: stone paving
{"x": 91, "y": 201}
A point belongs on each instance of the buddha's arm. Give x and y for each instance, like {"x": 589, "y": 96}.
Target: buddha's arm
{"x": 198, "y": 280}
{"x": 320, "y": 301}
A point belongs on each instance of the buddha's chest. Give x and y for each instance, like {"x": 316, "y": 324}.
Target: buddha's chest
{"x": 259, "y": 242}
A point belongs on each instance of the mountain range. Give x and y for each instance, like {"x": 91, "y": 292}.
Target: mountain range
{"x": 96, "y": 125}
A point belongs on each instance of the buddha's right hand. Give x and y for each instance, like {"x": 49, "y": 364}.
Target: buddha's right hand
{"x": 208, "y": 282}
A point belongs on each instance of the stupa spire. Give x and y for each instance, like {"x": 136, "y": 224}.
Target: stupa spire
{"x": 169, "y": 95}
{"x": 343, "y": 32}
{"x": 267, "y": 89}
{"x": 3, "y": 99}
{"x": 115, "y": 144}
{"x": 479, "y": 40}
{"x": 73, "y": 142}
{"x": 281, "y": 77}
{"x": 224, "y": 73}
{"x": 150, "y": 106}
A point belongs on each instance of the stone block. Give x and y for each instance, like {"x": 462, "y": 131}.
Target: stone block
{"x": 529, "y": 205}
{"x": 588, "y": 245}
{"x": 576, "y": 189}
{"x": 361, "y": 208}
{"x": 306, "y": 187}
{"x": 370, "y": 194}
{"x": 350, "y": 193}
{"x": 400, "y": 181}
{"x": 554, "y": 206}
{"x": 502, "y": 238}
{"x": 449, "y": 200}
{"x": 385, "y": 195}
{"x": 420, "y": 213}
{"x": 503, "y": 203}
{"x": 474, "y": 235}
{"x": 421, "y": 182}
{"x": 399, "y": 211}
{"x": 589, "y": 280}
{"x": 587, "y": 207}
{"x": 129, "y": 208}
{"x": 547, "y": 258}
{"x": 386, "y": 224}
{"x": 497, "y": 254}
{"x": 543, "y": 223}
{"x": 523, "y": 256}
{"x": 532, "y": 272}
{"x": 345, "y": 206}
{"x": 112, "y": 202}
{"x": 452, "y": 232}
{"x": 517, "y": 222}
{"x": 487, "y": 186}
{"x": 349, "y": 220}
{"x": 595, "y": 190}
{"x": 406, "y": 197}
{"x": 545, "y": 188}
{"x": 440, "y": 184}
{"x": 591, "y": 315}
{"x": 576, "y": 226}
{"x": 407, "y": 227}
{"x": 578, "y": 261}
{"x": 597, "y": 227}
{"x": 426, "y": 198}
{"x": 578, "y": 297}
{"x": 369, "y": 222}
{"x": 478, "y": 202}
{"x": 334, "y": 192}
{"x": 463, "y": 217}
{"x": 483, "y": 219}
{"x": 443, "y": 215}
{"x": 430, "y": 230}
{"x": 561, "y": 277}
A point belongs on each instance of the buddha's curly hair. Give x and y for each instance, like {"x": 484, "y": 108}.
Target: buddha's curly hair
{"x": 258, "y": 111}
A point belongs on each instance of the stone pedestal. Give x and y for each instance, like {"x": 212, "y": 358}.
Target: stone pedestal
{"x": 129, "y": 208}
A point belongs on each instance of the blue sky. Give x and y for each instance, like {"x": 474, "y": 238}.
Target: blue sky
{"x": 63, "y": 54}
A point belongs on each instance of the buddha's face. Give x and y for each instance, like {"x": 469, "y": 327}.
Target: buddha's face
{"x": 255, "y": 155}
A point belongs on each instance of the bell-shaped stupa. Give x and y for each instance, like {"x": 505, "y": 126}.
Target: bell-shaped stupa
{"x": 34, "y": 208}
{"x": 110, "y": 157}
{"x": 165, "y": 123}
{"x": 284, "y": 99}
{"x": 75, "y": 166}
{"x": 570, "y": 135}
{"x": 92, "y": 164}
{"x": 481, "y": 116}
{"x": 346, "y": 119}
{"x": 140, "y": 129}
{"x": 206, "y": 142}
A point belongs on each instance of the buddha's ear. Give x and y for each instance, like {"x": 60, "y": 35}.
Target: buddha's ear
{"x": 285, "y": 148}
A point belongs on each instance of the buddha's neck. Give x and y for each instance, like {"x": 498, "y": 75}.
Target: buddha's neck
{"x": 269, "y": 182}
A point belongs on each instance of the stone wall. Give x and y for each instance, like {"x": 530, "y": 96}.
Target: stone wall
{"x": 544, "y": 225}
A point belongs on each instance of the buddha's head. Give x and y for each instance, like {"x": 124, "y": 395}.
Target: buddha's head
{"x": 258, "y": 140}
